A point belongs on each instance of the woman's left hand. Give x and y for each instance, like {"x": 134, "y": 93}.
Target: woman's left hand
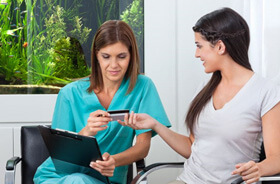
{"x": 106, "y": 167}
{"x": 250, "y": 171}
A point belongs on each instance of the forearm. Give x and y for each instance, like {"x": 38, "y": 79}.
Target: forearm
{"x": 137, "y": 152}
{"x": 270, "y": 166}
{"x": 180, "y": 143}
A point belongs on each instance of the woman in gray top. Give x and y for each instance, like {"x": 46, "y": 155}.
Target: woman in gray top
{"x": 231, "y": 116}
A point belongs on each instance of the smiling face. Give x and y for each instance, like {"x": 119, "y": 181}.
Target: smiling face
{"x": 113, "y": 60}
{"x": 207, "y": 53}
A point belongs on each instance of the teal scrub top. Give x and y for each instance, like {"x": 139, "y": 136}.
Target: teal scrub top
{"x": 74, "y": 105}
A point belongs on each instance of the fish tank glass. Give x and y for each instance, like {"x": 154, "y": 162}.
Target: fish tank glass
{"x": 45, "y": 44}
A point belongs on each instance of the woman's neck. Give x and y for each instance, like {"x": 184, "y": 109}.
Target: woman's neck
{"x": 107, "y": 94}
{"x": 110, "y": 87}
{"x": 233, "y": 73}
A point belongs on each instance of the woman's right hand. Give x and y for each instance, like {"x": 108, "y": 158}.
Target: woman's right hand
{"x": 96, "y": 122}
{"x": 139, "y": 121}
{"x": 105, "y": 167}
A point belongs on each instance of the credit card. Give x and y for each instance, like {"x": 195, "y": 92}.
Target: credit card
{"x": 118, "y": 114}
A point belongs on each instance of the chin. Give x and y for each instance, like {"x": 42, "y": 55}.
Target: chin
{"x": 115, "y": 78}
{"x": 207, "y": 70}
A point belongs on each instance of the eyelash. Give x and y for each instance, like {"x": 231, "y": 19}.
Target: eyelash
{"x": 107, "y": 57}
{"x": 122, "y": 57}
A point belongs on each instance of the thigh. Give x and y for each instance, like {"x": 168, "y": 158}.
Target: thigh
{"x": 177, "y": 182}
{"x": 76, "y": 178}
{"x": 80, "y": 178}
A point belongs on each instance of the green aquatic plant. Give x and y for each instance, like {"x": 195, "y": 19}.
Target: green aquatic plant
{"x": 106, "y": 10}
{"x": 30, "y": 31}
{"x": 42, "y": 41}
{"x": 54, "y": 58}
{"x": 40, "y": 70}
{"x": 12, "y": 42}
{"x": 69, "y": 60}
{"x": 78, "y": 32}
{"x": 134, "y": 16}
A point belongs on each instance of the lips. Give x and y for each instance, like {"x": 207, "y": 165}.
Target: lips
{"x": 114, "y": 72}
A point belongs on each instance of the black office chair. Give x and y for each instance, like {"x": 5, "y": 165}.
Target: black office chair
{"x": 142, "y": 175}
{"x": 34, "y": 153}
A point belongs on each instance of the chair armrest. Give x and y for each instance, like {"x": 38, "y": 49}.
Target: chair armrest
{"x": 263, "y": 178}
{"x": 140, "y": 165}
{"x": 237, "y": 181}
{"x": 153, "y": 167}
{"x": 270, "y": 178}
{"x": 12, "y": 162}
{"x": 11, "y": 169}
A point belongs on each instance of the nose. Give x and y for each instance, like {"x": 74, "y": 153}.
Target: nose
{"x": 197, "y": 54}
{"x": 114, "y": 62}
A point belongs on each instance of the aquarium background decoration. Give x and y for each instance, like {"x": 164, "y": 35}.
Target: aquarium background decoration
{"x": 45, "y": 44}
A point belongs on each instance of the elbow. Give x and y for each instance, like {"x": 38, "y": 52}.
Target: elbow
{"x": 145, "y": 152}
{"x": 143, "y": 144}
{"x": 186, "y": 155}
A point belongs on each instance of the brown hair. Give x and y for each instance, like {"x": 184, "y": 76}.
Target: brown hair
{"x": 111, "y": 32}
{"x": 228, "y": 26}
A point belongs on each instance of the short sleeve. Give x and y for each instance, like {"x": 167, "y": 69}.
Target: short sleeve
{"x": 63, "y": 116}
{"x": 152, "y": 105}
{"x": 271, "y": 98}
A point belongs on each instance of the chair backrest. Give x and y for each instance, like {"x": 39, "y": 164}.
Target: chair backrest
{"x": 34, "y": 153}
{"x": 262, "y": 153}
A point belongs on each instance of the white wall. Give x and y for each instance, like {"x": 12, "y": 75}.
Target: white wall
{"x": 161, "y": 66}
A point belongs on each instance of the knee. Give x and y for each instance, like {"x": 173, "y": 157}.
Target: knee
{"x": 80, "y": 178}
{"x": 77, "y": 178}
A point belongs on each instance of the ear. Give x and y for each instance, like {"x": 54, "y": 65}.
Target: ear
{"x": 221, "y": 48}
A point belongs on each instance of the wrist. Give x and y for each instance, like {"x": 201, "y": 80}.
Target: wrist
{"x": 82, "y": 132}
{"x": 260, "y": 166}
{"x": 156, "y": 125}
{"x": 86, "y": 132}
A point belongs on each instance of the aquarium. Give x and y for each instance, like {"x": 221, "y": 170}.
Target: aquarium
{"x": 45, "y": 44}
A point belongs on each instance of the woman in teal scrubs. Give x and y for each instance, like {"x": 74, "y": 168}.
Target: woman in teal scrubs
{"x": 115, "y": 83}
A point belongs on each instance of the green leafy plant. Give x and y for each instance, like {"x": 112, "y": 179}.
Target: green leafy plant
{"x": 56, "y": 60}
{"x": 41, "y": 40}
{"x": 106, "y": 10}
{"x": 12, "y": 42}
{"x": 31, "y": 59}
{"x": 68, "y": 59}
{"x": 134, "y": 16}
